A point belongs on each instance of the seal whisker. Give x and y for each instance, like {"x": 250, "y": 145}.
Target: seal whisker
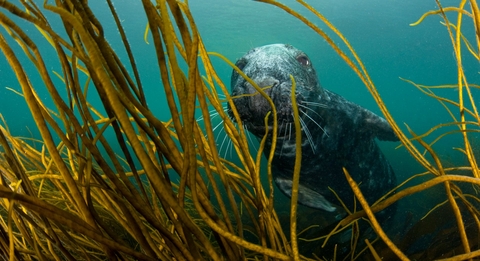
{"x": 310, "y": 109}
{"x": 213, "y": 113}
{"x": 250, "y": 137}
{"x": 223, "y": 143}
{"x": 316, "y": 123}
{"x": 229, "y": 148}
{"x": 308, "y": 134}
{"x": 284, "y": 135}
{"x": 315, "y": 104}
{"x": 290, "y": 131}
{"x": 218, "y": 125}
{"x": 218, "y": 136}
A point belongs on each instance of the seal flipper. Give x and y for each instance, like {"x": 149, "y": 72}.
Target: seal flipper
{"x": 306, "y": 196}
{"x": 365, "y": 119}
{"x": 379, "y": 126}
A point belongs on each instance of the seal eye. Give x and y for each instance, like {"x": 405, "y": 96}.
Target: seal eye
{"x": 303, "y": 60}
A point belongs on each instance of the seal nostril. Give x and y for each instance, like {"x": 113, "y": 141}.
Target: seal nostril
{"x": 275, "y": 83}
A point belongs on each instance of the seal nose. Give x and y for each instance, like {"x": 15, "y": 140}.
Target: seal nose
{"x": 267, "y": 82}
{"x": 258, "y": 104}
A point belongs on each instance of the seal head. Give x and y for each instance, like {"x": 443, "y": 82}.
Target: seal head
{"x": 270, "y": 68}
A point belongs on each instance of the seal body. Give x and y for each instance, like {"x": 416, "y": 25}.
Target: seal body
{"x": 336, "y": 133}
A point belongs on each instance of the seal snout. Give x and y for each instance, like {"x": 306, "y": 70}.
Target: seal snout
{"x": 257, "y": 103}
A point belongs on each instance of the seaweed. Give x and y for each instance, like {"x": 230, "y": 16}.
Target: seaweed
{"x": 160, "y": 189}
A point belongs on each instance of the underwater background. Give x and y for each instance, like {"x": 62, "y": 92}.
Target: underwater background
{"x": 379, "y": 31}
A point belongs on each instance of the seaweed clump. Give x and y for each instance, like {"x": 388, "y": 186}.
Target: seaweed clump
{"x": 166, "y": 193}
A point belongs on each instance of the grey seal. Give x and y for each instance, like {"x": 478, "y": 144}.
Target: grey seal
{"x": 336, "y": 133}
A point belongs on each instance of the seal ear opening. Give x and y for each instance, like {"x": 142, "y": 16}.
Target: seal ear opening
{"x": 306, "y": 196}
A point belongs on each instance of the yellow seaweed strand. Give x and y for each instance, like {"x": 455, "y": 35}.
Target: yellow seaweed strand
{"x": 434, "y": 12}
{"x": 257, "y": 185}
{"x": 407, "y": 192}
{"x": 451, "y": 199}
{"x": 372, "y": 250}
{"x": 296, "y": 172}
{"x": 467, "y": 43}
{"x": 467, "y": 256}
{"x": 433, "y": 209}
{"x": 476, "y": 22}
{"x": 145, "y": 35}
{"x": 376, "y": 226}
{"x": 10, "y": 218}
